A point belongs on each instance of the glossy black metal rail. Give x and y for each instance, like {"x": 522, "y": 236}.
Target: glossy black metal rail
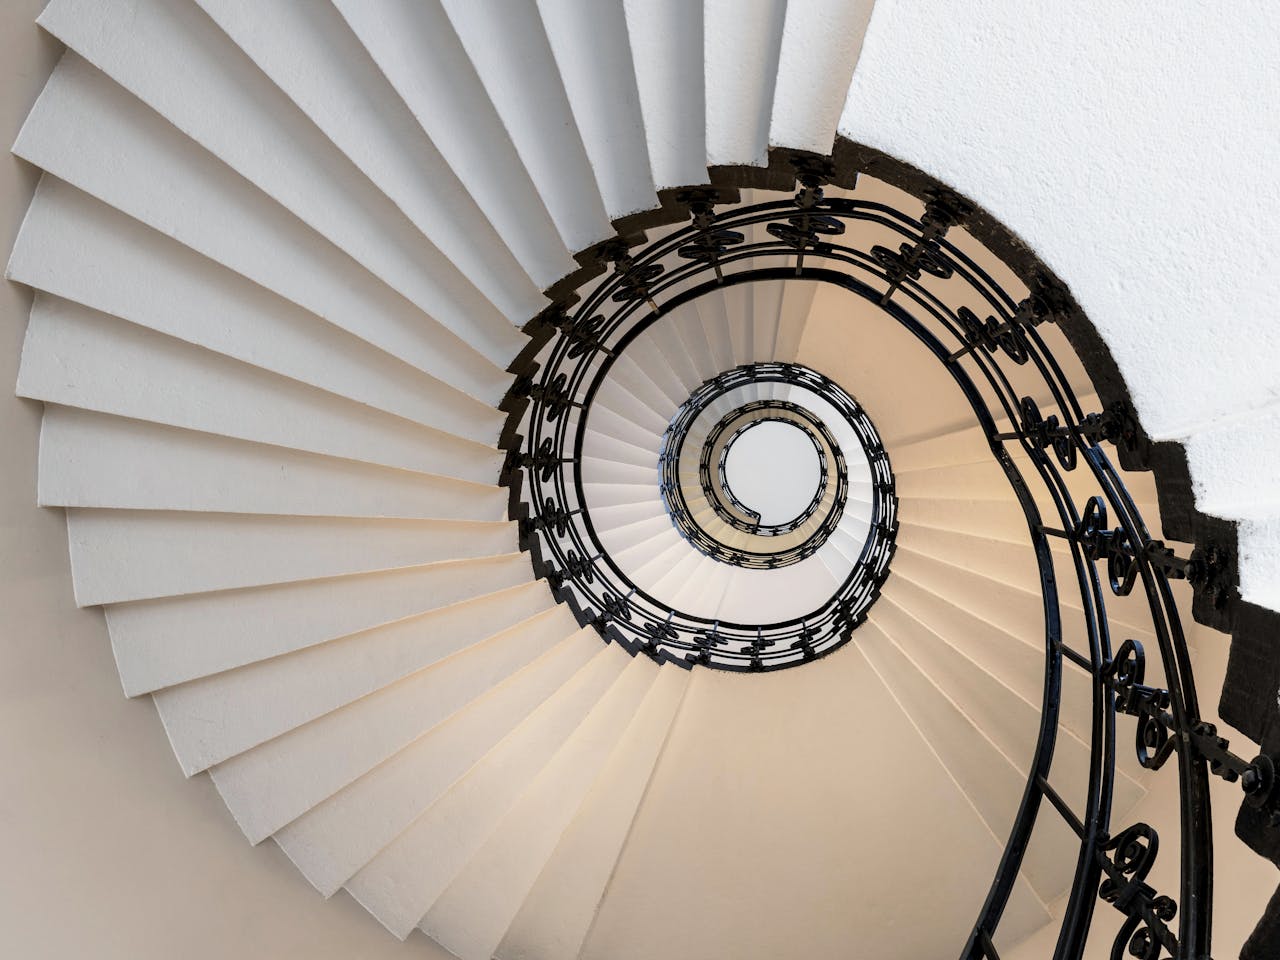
{"x": 996, "y": 347}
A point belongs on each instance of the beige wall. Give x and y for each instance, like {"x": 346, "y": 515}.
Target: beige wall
{"x": 105, "y": 850}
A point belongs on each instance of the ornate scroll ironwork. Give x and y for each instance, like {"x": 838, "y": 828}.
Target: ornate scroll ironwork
{"x": 995, "y": 345}
{"x": 787, "y": 543}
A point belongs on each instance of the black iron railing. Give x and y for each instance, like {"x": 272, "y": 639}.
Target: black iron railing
{"x": 1088, "y": 537}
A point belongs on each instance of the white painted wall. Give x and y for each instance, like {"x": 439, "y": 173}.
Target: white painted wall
{"x": 1137, "y": 154}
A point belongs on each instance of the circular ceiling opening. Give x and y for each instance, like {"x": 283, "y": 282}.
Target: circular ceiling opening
{"x": 772, "y": 468}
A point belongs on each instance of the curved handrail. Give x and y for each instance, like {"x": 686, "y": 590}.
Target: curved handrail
{"x": 979, "y": 338}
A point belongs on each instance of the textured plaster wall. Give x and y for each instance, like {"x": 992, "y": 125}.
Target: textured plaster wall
{"x": 1137, "y": 154}
{"x": 108, "y": 852}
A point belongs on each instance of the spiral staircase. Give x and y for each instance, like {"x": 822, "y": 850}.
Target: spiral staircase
{"x": 379, "y": 343}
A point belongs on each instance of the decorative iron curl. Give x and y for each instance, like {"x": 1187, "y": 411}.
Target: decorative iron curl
{"x": 979, "y": 333}
{"x": 1126, "y": 860}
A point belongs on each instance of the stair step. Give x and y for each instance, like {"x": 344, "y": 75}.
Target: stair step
{"x": 704, "y": 592}
{"x": 738, "y": 308}
{"x": 214, "y": 718}
{"x": 989, "y": 779}
{"x": 90, "y": 132}
{"x": 627, "y": 384}
{"x": 664, "y": 337}
{"x": 333, "y": 840}
{"x": 132, "y": 272}
{"x": 277, "y": 781}
{"x": 618, "y": 539}
{"x": 820, "y": 46}
{"x": 600, "y": 446}
{"x": 593, "y": 55}
{"x": 1016, "y": 662}
{"x": 714, "y": 321}
{"x": 706, "y": 796}
{"x": 176, "y": 60}
{"x": 617, "y": 404}
{"x": 95, "y": 460}
{"x": 402, "y": 882}
{"x": 417, "y": 50}
{"x": 647, "y": 356}
{"x": 637, "y": 433}
{"x": 742, "y": 41}
{"x": 1015, "y": 610}
{"x": 766, "y": 315}
{"x": 508, "y": 48}
{"x": 793, "y": 319}
{"x": 607, "y": 471}
{"x": 471, "y": 915}
{"x": 666, "y": 48}
{"x": 159, "y": 643}
{"x": 753, "y": 596}
{"x": 329, "y": 75}
{"x": 1011, "y": 723}
{"x": 81, "y": 358}
{"x": 118, "y": 556}
{"x": 553, "y": 920}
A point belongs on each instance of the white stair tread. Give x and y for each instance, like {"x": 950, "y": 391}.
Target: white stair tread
{"x": 275, "y": 782}
{"x": 820, "y": 45}
{"x": 80, "y": 357}
{"x": 742, "y": 43}
{"x": 645, "y": 354}
{"x": 1016, "y": 662}
{"x": 593, "y": 56}
{"x": 95, "y": 460}
{"x": 552, "y": 921}
{"x": 627, "y": 429}
{"x": 616, "y": 539}
{"x": 508, "y": 47}
{"x": 689, "y": 367}
{"x": 714, "y": 322}
{"x": 596, "y": 470}
{"x": 175, "y": 58}
{"x": 119, "y": 556}
{"x": 334, "y": 839}
{"x": 989, "y": 780}
{"x": 90, "y": 132}
{"x": 666, "y": 44}
{"x": 214, "y": 718}
{"x": 1011, "y": 723}
{"x": 617, "y": 405}
{"x": 471, "y": 916}
{"x": 600, "y": 446}
{"x": 766, "y": 308}
{"x": 416, "y": 48}
{"x": 627, "y": 378}
{"x": 616, "y": 517}
{"x": 130, "y": 271}
{"x": 402, "y": 882}
{"x": 158, "y": 643}
{"x": 707, "y": 799}
{"x": 327, "y": 73}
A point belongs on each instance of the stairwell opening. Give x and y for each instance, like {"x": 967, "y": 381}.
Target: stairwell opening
{"x": 1045, "y": 398}
{"x": 773, "y": 468}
